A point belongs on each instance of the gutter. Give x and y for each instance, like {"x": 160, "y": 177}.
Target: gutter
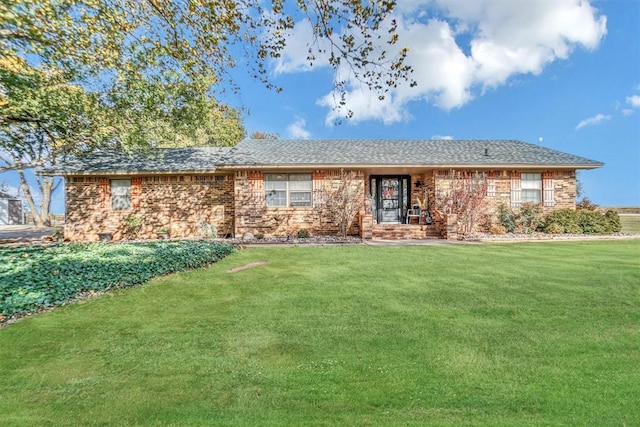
{"x": 294, "y": 166}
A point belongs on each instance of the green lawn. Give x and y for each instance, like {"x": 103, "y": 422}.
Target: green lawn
{"x": 504, "y": 334}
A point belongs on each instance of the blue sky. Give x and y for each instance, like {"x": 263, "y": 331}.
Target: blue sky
{"x": 560, "y": 73}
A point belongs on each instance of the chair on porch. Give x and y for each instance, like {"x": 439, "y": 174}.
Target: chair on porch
{"x": 412, "y": 213}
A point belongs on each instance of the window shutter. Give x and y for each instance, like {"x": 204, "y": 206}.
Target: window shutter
{"x": 104, "y": 192}
{"x": 516, "y": 193}
{"x": 136, "y": 192}
{"x": 547, "y": 192}
{"x": 491, "y": 184}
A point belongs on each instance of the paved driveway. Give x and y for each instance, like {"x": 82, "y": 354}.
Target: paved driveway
{"x": 24, "y": 232}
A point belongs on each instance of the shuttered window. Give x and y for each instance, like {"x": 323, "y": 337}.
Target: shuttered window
{"x": 531, "y": 188}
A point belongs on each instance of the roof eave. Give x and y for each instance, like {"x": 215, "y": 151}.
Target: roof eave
{"x": 417, "y": 166}
{"x": 128, "y": 172}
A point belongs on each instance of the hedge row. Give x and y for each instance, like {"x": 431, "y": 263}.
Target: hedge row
{"x": 582, "y": 221}
{"x": 586, "y": 219}
{"x": 35, "y": 277}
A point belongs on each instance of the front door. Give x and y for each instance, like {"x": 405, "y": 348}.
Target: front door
{"x": 389, "y": 194}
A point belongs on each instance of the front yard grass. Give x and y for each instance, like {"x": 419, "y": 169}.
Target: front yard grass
{"x": 505, "y": 334}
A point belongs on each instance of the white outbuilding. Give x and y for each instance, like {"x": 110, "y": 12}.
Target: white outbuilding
{"x": 10, "y": 210}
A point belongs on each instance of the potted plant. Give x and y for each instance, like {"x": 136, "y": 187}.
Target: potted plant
{"x": 163, "y": 233}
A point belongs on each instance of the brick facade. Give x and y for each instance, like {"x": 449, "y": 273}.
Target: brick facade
{"x": 234, "y": 204}
{"x": 254, "y": 216}
{"x": 187, "y": 205}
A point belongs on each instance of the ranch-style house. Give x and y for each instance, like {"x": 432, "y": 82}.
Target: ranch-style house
{"x": 278, "y": 187}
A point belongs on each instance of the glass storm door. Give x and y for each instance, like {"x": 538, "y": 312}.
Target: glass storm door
{"x": 390, "y": 200}
{"x": 389, "y": 194}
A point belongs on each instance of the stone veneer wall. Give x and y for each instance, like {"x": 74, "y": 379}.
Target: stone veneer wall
{"x": 253, "y": 215}
{"x": 182, "y": 203}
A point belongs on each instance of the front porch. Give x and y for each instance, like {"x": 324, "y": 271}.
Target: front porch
{"x": 404, "y": 232}
{"x": 442, "y": 227}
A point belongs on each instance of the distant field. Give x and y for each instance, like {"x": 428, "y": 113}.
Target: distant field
{"x": 623, "y": 209}
{"x": 630, "y": 223}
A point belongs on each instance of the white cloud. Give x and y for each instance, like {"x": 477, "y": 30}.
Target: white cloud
{"x": 443, "y": 137}
{"x": 464, "y": 49}
{"x": 297, "y": 129}
{"x": 294, "y": 56}
{"x": 598, "y": 118}
{"x": 11, "y": 190}
{"x": 634, "y": 100}
{"x": 627, "y": 112}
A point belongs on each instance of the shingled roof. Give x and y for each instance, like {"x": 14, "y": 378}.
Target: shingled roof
{"x": 167, "y": 160}
{"x": 252, "y": 153}
{"x": 398, "y": 152}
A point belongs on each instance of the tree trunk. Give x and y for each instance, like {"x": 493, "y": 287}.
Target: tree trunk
{"x": 41, "y": 218}
{"x": 45, "y": 206}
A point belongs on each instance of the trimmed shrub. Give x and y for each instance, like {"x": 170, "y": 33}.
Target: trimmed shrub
{"x": 553, "y": 228}
{"x": 613, "y": 221}
{"x": 581, "y": 221}
{"x": 303, "y": 234}
{"x": 506, "y": 218}
{"x": 565, "y": 218}
{"x": 530, "y": 218}
{"x": 591, "y": 222}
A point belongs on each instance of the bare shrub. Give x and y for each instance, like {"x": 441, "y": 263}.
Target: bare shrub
{"x": 342, "y": 199}
{"x": 464, "y": 197}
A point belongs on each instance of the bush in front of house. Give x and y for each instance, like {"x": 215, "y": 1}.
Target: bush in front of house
{"x": 585, "y": 219}
{"x": 36, "y": 277}
{"x": 530, "y": 218}
{"x": 613, "y": 221}
{"x": 303, "y": 234}
{"x": 581, "y": 221}
{"x": 562, "y": 221}
{"x": 506, "y": 219}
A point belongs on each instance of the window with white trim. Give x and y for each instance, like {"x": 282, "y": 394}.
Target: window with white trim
{"x": 531, "y": 188}
{"x": 293, "y": 190}
{"x": 120, "y": 194}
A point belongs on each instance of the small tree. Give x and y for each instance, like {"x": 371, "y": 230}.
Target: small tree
{"x": 343, "y": 200}
{"x": 264, "y": 135}
{"x": 464, "y": 197}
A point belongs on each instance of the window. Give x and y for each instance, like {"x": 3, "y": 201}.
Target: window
{"x": 120, "y": 194}
{"x": 531, "y": 188}
{"x": 288, "y": 189}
